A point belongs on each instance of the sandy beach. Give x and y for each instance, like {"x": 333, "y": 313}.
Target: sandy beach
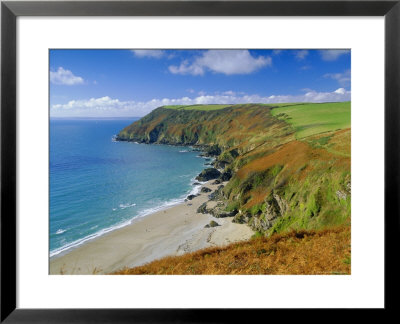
{"x": 173, "y": 231}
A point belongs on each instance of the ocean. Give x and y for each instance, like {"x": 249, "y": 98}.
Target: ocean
{"x": 98, "y": 185}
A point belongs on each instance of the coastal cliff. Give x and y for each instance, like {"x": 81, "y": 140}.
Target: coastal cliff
{"x": 287, "y": 165}
{"x": 239, "y": 126}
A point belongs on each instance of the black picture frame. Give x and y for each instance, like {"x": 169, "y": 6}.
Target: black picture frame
{"x": 10, "y": 10}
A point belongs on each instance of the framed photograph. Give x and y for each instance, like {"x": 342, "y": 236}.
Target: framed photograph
{"x": 155, "y": 153}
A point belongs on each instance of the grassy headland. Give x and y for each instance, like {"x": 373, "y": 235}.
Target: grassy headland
{"x": 288, "y": 165}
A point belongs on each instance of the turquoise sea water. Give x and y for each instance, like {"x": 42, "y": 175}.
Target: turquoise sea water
{"x": 97, "y": 184}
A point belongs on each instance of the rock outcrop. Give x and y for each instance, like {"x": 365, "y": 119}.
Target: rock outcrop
{"x": 208, "y": 174}
{"x": 217, "y": 194}
{"x": 216, "y": 209}
{"x": 212, "y": 224}
{"x": 275, "y": 207}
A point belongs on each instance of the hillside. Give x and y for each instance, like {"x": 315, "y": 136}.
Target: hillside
{"x": 303, "y": 252}
{"x": 240, "y": 127}
{"x": 288, "y": 165}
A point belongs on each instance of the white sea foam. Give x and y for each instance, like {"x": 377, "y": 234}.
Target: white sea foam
{"x": 123, "y": 206}
{"x": 183, "y": 151}
{"x": 185, "y": 176}
{"x": 196, "y": 189}
{"x": 165, "y": 205}
{"x": 173, "y": 202}
{"x": 90, "y": 237}
{"x": 60, "y": 231}
{"x": 78, "y": 242}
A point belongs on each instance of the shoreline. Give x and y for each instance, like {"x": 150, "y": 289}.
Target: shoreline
{"x": 166, "y": 205}
{"x": 174, "y": 202}
{"x": 172, "y": 231}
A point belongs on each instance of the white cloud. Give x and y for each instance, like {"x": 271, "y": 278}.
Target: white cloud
{"x": 301, "y": 55}
{"x": 338, "y": 95}
{"x": 149, "y": 53}
{"x": 65, "y": 77}
{"x": 97, "y": 103}
{"x": 277, "y": 52}
{"x": 187, "y": 68}
{"x": 343, "y": 79}
{"x": 108, "y": 107}
{"x": 340, "y": 91}
{"x": 222, "y": 61}
{"x": 332, "y": 55}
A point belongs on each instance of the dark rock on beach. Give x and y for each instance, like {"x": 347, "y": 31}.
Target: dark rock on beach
{"x": 208, "y": 174}
{"x": 217, "y": 194}
{"x": 221, "y": 213}
{"x": 205, "y": 189}
{"x": 212, "y": 224}
{"x": 202, "y": 208}
{"x": 190, "y": 197}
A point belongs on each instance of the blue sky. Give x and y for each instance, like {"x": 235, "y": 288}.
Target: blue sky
{"x": 117, "y": 83}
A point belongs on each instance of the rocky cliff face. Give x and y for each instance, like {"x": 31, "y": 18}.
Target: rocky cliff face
{"x": 218, "y": 130}
{"x": 273, "y": 181}
{"x": 275, "y": 207}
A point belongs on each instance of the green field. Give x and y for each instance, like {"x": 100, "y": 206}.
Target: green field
{"x": 310, "y": 119}
{"x": 197, "y": 107}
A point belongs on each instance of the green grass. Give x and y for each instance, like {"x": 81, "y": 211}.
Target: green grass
{"x": 197, "y": 107}
{"x": 311, "y": 119}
